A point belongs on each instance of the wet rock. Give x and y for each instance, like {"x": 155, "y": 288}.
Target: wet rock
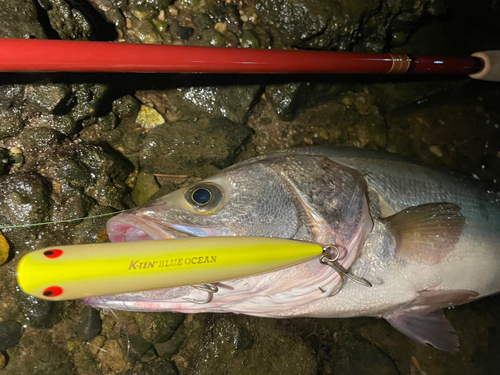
{"x": 78, "y": 178}
{"x": 334, "y": 24}
{"x": 354, "y": 120}
{"x": 213, "y": 38}
{"x": 36, "y": 139}
{"x": 202, "y": 21}
{"x": 250, "y": 39}
{"x": 167, "y": 346}
{"x": 167, "y": 368}
{"x": 132, "y": 140}
{"x": 86, "y": 363}
{"x": 90, "y": 324}
{"x": 189, "y": 3}
{"x": 110, "y": 171}
{"x": 145, "y": 187}
{"x": 225, "y": 13}
{"x": 146, "y": 32}
{"x": 212, "y": 348}
{"x": 462, "y": 135}
{"x": 168, "y": 349}
{"x": 113, "y": 356}
{"x": 10, "y": 334}
{"x": 160, "y": 4}
{"x": 232, "y": 102}
{"x": 161, "y": 26}
{"x": 140, "y": 348}
{"x": 149, "y": 118}
{"x": 11, "y": 123}
{"x": 39, "y": 313}
{"x": 25, "y": 199}
{"x": 117, "y": 128}
{"x": 232, "y": 40}
{"x": 288, "y": 99}
{"x": 158, "y": 327}
{"x": 37, "y": 354}
{"x": 92, "y": 230}
{"x": 10, "y": 95}
{"x": 88, "y": 99}
{"x": 48, "y": 98}
{"x": 356, "y": 356}
{"x": 143, "y": 12}
{"x": 107, "y": 122}
{"x": 294, "y": 23}
{"x": 125, "y": 106}
{"x": 189, "y": 146}
{"x": 65, "y": 125}
{"x": 184, "y": 32}
{"x": 19, "y": 19}
{"x": 68, "y": 22}
{"x": 243, "y": 339}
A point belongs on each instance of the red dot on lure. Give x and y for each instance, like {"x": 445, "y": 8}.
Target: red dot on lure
{"x": 52, "y": 254}
{"x": 53, "y": 291}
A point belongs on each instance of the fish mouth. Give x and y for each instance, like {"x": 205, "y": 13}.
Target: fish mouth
{"x": 133, "y": 228}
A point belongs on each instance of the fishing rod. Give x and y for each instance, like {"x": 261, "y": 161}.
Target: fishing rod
{"x": 35, "y": 55}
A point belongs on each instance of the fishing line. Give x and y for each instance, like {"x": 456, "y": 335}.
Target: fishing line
{"x": 123, "y": 328}
{"x": 60, "y": 221}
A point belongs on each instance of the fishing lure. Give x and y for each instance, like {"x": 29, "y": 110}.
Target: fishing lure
{"x": 80, "y": 271}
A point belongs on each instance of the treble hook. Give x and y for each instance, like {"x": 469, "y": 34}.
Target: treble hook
{"x": 332, "y": 255}
{"x": 209, "y": 288}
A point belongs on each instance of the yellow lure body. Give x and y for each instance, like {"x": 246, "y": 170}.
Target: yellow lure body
{"x": 79, "y": 271}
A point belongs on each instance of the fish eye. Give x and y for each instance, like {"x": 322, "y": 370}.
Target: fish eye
{"x": 204, "y": 197}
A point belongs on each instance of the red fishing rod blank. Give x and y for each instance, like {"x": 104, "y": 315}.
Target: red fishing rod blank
{"x": 34, "y": 55}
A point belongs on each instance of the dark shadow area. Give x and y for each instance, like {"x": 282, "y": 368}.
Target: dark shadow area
{"x": 101, "y": 29}
{"x": 43, "y": 19}
{"x": 164, "y": 81}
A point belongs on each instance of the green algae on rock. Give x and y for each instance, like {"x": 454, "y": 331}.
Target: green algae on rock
{"x": 149, "y": 118}
{"x": 145, "y": 187}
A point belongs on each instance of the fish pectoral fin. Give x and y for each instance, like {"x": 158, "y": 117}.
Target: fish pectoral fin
{"x": 426, "y": 233}
{"x": 427, "y": 327}
{"x": 444, "y": 298}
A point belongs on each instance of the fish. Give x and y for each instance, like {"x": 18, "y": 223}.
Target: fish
{"x": 425, "y": 238}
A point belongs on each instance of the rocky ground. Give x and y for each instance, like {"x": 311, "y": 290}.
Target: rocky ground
{"x": 76, "y": 145}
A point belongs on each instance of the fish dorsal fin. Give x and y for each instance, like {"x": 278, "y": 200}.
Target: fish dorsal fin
{"x": 426, "y": 233}
{"x": 428, "y": 327}
{"x": 424, "y": 321}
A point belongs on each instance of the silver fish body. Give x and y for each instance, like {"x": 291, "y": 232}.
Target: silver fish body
{"x": 425, "y": 239}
